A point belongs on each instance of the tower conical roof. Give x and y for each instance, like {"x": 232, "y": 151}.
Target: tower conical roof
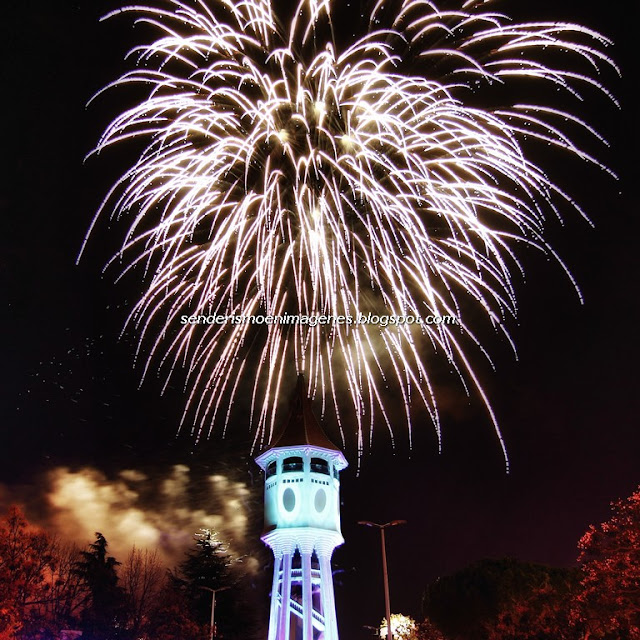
{"x": 302, "y": 428}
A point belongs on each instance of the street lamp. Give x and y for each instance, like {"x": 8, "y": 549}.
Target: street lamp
{"x": 213, "y": 607}
{"x": 385, "y": 572}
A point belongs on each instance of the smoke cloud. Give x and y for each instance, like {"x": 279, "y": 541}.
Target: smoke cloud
{"x": 132, "y": 508}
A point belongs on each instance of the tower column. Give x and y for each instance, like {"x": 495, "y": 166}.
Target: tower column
{"x": 327, "y": 595}
{"x": 275, "y": 587}
{"x": 285, "y": 609}
{"x": 307, "y": 596}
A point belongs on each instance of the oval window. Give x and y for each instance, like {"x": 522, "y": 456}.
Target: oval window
{"x": 289, "y": 500}
{"x": 320, "y": 501}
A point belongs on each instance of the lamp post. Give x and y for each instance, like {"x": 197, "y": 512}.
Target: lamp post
{"x": 213, "y": 607}
{"x": 385, "y": 572}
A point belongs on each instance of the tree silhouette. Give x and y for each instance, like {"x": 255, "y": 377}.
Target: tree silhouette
{"x": 142, "y": 578}
{"x": 475, "y": 601}
{"x": 103, "y": 617}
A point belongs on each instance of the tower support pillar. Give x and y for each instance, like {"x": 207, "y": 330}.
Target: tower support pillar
{"x": 328, "y": 602}
{"x": 275, "y": 585}
{"x": 285, "y": 607}
{"x": 307, "y": 596}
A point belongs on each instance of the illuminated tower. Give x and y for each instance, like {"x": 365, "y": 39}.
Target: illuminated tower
{"x": 302, "y": 525}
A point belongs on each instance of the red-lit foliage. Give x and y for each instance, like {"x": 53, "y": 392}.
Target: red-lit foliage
{"x": 426, "y": 630}
{"x": 511, "y": 600}
{"x": 608, "y": 604}
{"x": 504, "y": 598}
{"x": 47, "y": 586}
{"x": 25, "y": 555}
{"x": 40, "y": 593}
{"x": 171, "y": 619}
{"x": 544, "y": 614}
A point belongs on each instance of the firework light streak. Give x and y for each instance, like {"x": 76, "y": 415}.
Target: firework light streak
{"x": 285, "y": 173}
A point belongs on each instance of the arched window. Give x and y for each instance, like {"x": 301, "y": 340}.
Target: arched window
{"x": 292, "y": 464}
{"x": 271, "y": 469}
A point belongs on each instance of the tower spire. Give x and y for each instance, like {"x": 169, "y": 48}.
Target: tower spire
{"x": 301, "y": 426}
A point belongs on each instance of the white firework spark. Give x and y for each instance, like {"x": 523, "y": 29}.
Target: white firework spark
{"x": 286, "y": 173}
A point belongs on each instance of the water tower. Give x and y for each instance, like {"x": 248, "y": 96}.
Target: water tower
{"x": 302, "y": 524}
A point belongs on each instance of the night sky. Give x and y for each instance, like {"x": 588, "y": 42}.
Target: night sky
{"x": 70, "y": 396}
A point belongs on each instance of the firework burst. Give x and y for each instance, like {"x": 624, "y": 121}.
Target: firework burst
{"x": 288, "y": 173}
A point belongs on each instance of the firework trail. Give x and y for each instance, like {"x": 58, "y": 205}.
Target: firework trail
{"x": 286, "y": 172}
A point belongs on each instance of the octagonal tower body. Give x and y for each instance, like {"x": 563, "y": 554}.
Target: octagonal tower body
{"x": 302, "y": 525}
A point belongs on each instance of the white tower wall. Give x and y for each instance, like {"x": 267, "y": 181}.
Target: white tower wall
{"x": 302, "y": 527}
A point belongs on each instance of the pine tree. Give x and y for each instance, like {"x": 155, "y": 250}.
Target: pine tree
{"x": 103, "y": 617}
{"x": 205, "y": 568}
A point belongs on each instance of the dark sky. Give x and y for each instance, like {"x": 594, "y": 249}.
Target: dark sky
{"x": 568, "y": 408}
